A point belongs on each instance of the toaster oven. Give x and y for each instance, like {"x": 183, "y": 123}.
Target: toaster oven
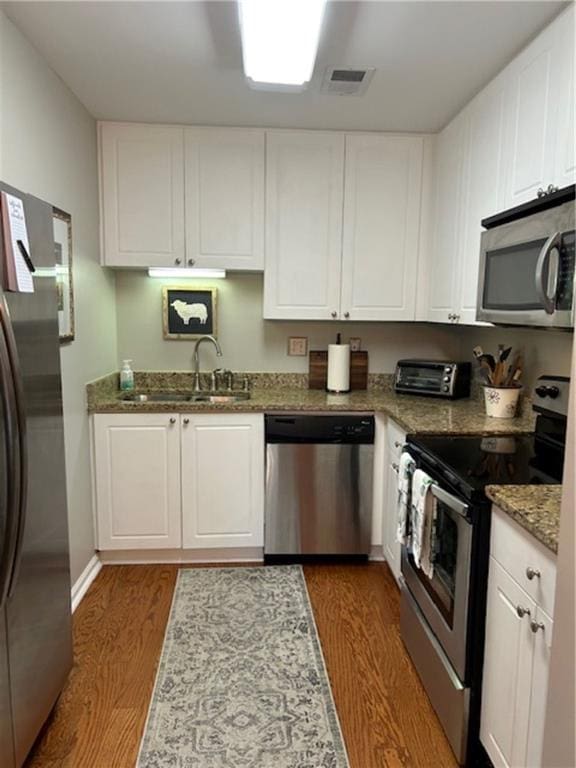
{"x": 436, "y": 378}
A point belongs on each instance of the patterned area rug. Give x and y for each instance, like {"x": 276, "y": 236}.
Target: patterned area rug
{"x": 242, "y": 681}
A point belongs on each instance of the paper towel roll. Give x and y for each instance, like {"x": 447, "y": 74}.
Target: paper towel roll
{"x": 338, "y": 368}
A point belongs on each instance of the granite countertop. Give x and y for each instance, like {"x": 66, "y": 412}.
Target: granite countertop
{"x": 535, "y": 507}
{"x": 280, "y": 393}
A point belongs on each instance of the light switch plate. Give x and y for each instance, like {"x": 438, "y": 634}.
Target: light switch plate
{"x": 355, "y": 344}
{"x": 298, "y": 346}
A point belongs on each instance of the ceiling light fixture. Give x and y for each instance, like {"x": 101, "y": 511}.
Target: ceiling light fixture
{"x": 191, "y": 274}
{"x": 280, "y": 41}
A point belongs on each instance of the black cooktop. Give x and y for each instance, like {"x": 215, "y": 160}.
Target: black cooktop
{"x": 471, "y": 463}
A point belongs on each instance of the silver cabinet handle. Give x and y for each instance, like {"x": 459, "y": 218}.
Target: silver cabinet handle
{"x": 346, "y": 315}
{"x": 536, "y": 625}
{"x": 172, "y": 420}
{"x": 186, "y": 421}
{"x": 451, "y": 316}
{"x": 522, "y": 611}
{"x": 334, "y": 314}
{"x": 532, "y": 573}
{"x": 177, "y": 261}
{"x": 395, "y": 467}
{"x": 397, "y": 444}
{"x": 191, "y": 262}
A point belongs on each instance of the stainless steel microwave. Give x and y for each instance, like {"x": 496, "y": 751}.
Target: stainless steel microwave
{"x": 527, "y": 264}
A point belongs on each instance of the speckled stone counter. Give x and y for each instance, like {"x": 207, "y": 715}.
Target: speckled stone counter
{"x": 535, "y": 507}
{"x": 414, "y": 414}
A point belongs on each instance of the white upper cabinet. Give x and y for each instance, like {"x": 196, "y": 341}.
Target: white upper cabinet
{"x": 565, "y": 163}
{"x": 224, "y": 176}
{"x": 141, "y": 195}
{"x": 482, "y": 188}
{"x": 382, "y": 191}
{"x": 304, "y": 186}
{"x": 532, "y": 117}
{"x": 443, "y": 269}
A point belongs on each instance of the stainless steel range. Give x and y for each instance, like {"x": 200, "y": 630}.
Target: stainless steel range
{"x": 443, "y": 616}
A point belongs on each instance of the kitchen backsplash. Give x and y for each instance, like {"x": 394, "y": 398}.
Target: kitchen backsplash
{"x": 252, "y": 344}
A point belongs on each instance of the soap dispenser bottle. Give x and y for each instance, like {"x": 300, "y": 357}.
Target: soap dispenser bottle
{"x": 126, "y": 376}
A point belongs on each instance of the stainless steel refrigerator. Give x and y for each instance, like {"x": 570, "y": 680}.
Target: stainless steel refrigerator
{"x": 35, "y": 620}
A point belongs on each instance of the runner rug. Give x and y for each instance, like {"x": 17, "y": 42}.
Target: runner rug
{"x": 241, "y": 681}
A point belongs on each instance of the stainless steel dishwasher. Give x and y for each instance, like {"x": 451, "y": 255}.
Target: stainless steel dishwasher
{"x": 319, "y": 473}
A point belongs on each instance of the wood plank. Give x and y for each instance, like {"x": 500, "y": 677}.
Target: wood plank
{"x": 386, "y": 718}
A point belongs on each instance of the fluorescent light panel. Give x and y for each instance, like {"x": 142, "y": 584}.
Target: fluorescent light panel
{"x": 280, "y": 39}
{"x": 191, "y": 274}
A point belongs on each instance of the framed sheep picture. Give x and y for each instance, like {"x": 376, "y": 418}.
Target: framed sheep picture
{"x": 188, "y": 312}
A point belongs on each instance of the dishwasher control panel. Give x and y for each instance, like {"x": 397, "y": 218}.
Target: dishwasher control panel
{"x": 332, "y": 428}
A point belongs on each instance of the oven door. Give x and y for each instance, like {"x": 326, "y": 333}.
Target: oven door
{"x": 443, "y": 599}
{"x": 527, "y": 271}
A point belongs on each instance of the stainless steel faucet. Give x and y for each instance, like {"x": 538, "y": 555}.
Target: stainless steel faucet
{"x": 196, "y": 358}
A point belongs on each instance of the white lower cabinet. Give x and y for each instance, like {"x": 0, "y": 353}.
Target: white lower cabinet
{"x": 172, "y": 481}
{"x": 395, "y": 439}
{"x": 136, "y": 465}
{"x": 518, "y": 641}
{"x": 222, "y": 480}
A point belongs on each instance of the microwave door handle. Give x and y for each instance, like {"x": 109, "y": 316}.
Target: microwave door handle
{"x": 547, "y": 293}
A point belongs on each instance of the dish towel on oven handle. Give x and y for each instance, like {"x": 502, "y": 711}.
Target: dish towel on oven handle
{"x": 405, "y": 469}
{"x": 423, "y": 520}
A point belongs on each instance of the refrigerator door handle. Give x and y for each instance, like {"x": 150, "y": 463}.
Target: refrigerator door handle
{"x": 22, "y": 482}
{"x": 10, "y": 437}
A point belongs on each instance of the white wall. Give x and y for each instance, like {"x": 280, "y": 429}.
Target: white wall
{"x": 48, "y": 148}
{"x": 250, "y": 343}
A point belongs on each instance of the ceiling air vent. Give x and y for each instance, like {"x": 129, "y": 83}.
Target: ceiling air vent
{"x": 346, "y": 81}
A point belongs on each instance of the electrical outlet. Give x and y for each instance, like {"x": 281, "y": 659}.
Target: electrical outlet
{"x": 355, "y": 344}
{"x": 298, "y": 346}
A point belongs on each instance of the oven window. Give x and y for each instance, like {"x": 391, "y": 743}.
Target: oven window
{"x": 442, "y": 586}
{"x": 510, "y": 277}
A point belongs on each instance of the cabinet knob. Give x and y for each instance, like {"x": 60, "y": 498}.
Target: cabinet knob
{"x": 395, "y": 467}
{"x": 191, "y": 262}
{"x": 541, "y": 192}
{"x": 397, "y": 444}
{"x": 522, "y": 611}
{"x": 334, "y": 314}
{"x": 536, "y": 625}
{"x": 177, "y": 261}
{"x": 172, "y": 420}
{"x": 532, "y": 573}
{"x": 346, "y": 315}
{"x": 451, "y": 316}
{"x": 186, "y": 421}
{"x": 456, "y": 317}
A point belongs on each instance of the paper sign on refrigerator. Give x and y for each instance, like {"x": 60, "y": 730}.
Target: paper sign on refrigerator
{"x": 18, "y": 267}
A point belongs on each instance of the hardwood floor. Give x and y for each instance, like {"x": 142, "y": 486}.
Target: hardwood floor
{"x": 386, "y": 718}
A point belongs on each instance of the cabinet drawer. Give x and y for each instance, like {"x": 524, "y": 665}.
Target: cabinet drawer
{"x": 517, "y": 551}
{"x": 395, "y": 440}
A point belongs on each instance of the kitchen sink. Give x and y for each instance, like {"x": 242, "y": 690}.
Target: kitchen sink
{"x": 217, "y": 398}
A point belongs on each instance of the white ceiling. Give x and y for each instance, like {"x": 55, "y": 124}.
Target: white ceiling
{"x": 180, "y": 62}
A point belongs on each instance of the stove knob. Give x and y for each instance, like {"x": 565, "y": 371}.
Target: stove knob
{"x": 544, "y": 391}
{"x": 445, "y": 388}
{"x": 447, "y": 378}
{"x": 553, "y": 392}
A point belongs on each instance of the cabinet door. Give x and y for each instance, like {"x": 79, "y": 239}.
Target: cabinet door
{"x": 532, "y": 118}
{"x": 223, "y": 480}
{"x": 507, "y": 670}
{"x": 566, "y": 141}
{"x": 137, "y": 481}
{"x": 304, "y": 186}
{"x": 443, "y": 270}
{"x": 382, "y": 197}
{"x": 142, "y": 195}
{"x": 225, "y": 198}
{"x": 540, "y": 673}
{"x": 483, "y": 190}
{"x": 391, "y": 546}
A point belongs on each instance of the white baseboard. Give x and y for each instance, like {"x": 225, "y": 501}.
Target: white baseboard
{"x": 80, "y": 586}
{"x": 182, "y": 556}
{"x": 377, "y": 553}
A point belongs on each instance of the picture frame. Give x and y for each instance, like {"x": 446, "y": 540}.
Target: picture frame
{"x": 188, "y": 312}
{"x": 62, "y": 227}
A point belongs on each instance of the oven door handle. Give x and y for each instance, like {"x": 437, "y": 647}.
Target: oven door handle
{"x": 547, "y": 293}
{"x": 451, "y": 501}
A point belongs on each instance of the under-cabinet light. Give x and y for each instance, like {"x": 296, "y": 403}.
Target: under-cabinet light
{"x": 280, "y": 39}
{"x": 190, "y": 273}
